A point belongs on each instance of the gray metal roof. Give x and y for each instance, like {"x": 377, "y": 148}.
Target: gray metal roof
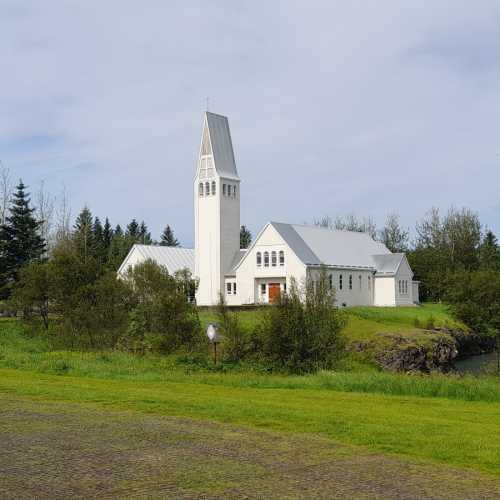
{"x": 238, "y": 256}
{"x": 222, "y": 146}
{"x": 315, "y": 245}
{"x": 388, "y": 263}
{"x": 173, "y": 258}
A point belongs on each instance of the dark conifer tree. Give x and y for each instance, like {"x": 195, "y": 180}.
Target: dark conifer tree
{"x": 489, "y": 252}
{"x": 107, "y": 235}
{"x": 245, "y": 237}
{"x": 133, "y": 230}
{"x": 98, "y": 236}
{"x": 20, "y": 239}
{"x": 83, "y": 234}
{"x": 144, "y": 234}
{"x": 168, "y": 239}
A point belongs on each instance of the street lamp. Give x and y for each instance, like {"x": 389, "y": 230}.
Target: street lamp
{"x": 213, "y": 337}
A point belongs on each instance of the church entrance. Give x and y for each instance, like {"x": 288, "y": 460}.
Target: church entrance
{"x": 274, "y": 292}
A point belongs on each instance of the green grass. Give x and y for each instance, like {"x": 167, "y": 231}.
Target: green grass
{"x": 460, "y": 433}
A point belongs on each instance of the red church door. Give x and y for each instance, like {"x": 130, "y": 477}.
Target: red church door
{"x": 274, "y": 292}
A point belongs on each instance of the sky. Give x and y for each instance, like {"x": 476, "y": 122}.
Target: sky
{"x": 335, "y": 107}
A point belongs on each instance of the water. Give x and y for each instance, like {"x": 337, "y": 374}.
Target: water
{"x": 476, "y": 364}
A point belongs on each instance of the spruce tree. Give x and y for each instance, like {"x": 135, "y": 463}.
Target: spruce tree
{"x": 168, "y": 239}
{"x": 98, "y": 236}
{"x": 20, "y": 239}
{"x": 107, "y": 235}
{"x": 144, "y": 234}
{"x": 245, "y": 237}
{"x": 489, "y": 252}
{"x": 133, "y": 230}
{"x": 83, "y": 234}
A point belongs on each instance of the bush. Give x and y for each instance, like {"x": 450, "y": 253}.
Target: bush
{"x": 302, "y": 332}
{"x": 235, "y": 343}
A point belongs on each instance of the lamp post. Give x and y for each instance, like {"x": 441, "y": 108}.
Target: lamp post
{"x": 213, "y": 337}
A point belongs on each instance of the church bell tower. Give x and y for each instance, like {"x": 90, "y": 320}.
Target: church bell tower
{"x": 216, "y": 209}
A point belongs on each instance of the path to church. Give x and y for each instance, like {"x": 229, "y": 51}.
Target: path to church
{"x": 53, "y": 450}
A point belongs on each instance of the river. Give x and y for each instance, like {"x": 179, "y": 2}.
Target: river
{"x": 476, "y": 364}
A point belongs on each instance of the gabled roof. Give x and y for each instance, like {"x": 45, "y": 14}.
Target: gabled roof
{"x": 173, "y": 258}
{"x": 315, "y": 245}
{"x": 221, "y": 144}
{"x": 388, "y": 264}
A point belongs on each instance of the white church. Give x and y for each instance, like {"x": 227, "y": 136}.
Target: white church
{"x": 362, "y": 271}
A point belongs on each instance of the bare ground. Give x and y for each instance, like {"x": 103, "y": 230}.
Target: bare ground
{"x": 54, "y": 450}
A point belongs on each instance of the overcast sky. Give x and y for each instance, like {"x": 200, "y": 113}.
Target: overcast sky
{"x": 334, "y": 106}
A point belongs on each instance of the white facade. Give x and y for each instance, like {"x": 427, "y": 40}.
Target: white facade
{"x": 362, "y": 271}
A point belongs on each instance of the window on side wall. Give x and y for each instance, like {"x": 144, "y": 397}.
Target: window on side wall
{"x": 369, "y": 282}
{"x": 200, "y": 189}
{"x": 228, "y": 288}
{"x": 350, "y": 282}
{"x": 229, "y": 189}
{"x": 259, "y": 259}
{"x": 213, "y": 187}
{"x": 341, "y": 284}
{"x": 360, "y": 282}
{"x": 234, "y": 288}
{"x": 234, "y": 191}
{"x": 266, "y": 259}
{"x": 282, "y": 258}
{"x": 207, "y": 188}
{"x": 224, "y": 189}
{"x": 330, "y": 281}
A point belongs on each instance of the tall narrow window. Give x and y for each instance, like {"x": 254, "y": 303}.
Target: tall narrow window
{"x": 360, "y": 281}
{"x": 341, "y": 284}
{"x": 350, "y": 282}
{"x": 234, "y": 191}
{"x": 266, "y": 259}
{"x": 273, "y": 259}
{"x": 282, "y": 258}
{"x": 330, "y": 281}
{"x": 399, "y": 286}
{"x": 263, "y": 288}
{"x": 213, "y": 187}
{"x": 200, "y": 189}
{"x": 207, "y": 188}
{"x": 224, "y": 189}
{"x": 259, "y": 259}
{"x": 234, "y": 288}
{"x": 228, "y": 288}
{"x": 369, "y": 282}
{"x": 229, "y": 189}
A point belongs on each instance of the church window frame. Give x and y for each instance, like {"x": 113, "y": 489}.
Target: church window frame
{"x": 360, "y": 282}
{"x": 350, "y": 282}
{"x": 282, "y": 258}
{"x": 223, "y": 189}
{"x": 258, "y": 259}
{"x": 207, "y": 188}
{"x": 341, "y": 281}
{"x": 263, "y": 289}
{"x": 234, "y": 288}
{"x": 200, "y": 189}
{"x": 234, "y": 191}
{"x": 229, "y": 190}
{"x": 369, "y": 283}
{"x": 274, "y": 259}
{"x": 266, "y": 259}
{"x": 330, "y": 281}
{"x": 214, "y": 188}
{"x": 229, "y": 288}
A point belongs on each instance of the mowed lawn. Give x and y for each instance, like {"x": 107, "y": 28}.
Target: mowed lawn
{"x": 436, "y": 430}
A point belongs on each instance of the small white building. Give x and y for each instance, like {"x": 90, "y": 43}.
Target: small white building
{"x": 362, "y": 270}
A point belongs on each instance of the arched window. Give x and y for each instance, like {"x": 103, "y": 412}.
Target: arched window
{"x": 234, "y": 191}
{"x": 282, "y": 258}
{"x": 273, "y": 259}
{"x": 213, "y": 187}
{"x": 207, "y": 188}
{"x": 229, "y": 189}
{"x": 224, "y": 189}
{"x": 200, "y": 189}
{"x": 259, "y": 259}
{"x": 330, "y": 281}
{"x": 266, "y": 259}
{"x": 350, "y": 282}
{"x": 341, "y": 284}
{"x": 369, "y": 282}
{"x": 360, "y": 281}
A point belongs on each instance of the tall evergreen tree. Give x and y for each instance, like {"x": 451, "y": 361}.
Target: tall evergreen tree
{"x": 107, "y": 235}
{"x": 245, "y": 237}
{"x": 168, "y": 239}
{"x": 83, "y": 234}
{"x": 20, "y": 239}
{"x": 144, "y": 234}
{"x": 98, "y": 236}
{"x": 489, "y": 252}
{"x": 133, "y": 230}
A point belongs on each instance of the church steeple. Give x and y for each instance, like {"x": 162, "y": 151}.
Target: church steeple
{"x": 217, "y": 208}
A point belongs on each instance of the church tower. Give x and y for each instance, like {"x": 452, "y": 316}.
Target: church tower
{"x": 216, "y": 209}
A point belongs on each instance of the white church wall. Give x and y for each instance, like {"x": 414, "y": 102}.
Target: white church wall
{"x": 385, "y": 291}
{"x": 359, "y": 294}
{"x": 250, "y": 276}
{"x": 403, "y": 284}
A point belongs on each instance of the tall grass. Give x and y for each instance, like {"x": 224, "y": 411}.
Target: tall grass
{"x": 21, "y": 352}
